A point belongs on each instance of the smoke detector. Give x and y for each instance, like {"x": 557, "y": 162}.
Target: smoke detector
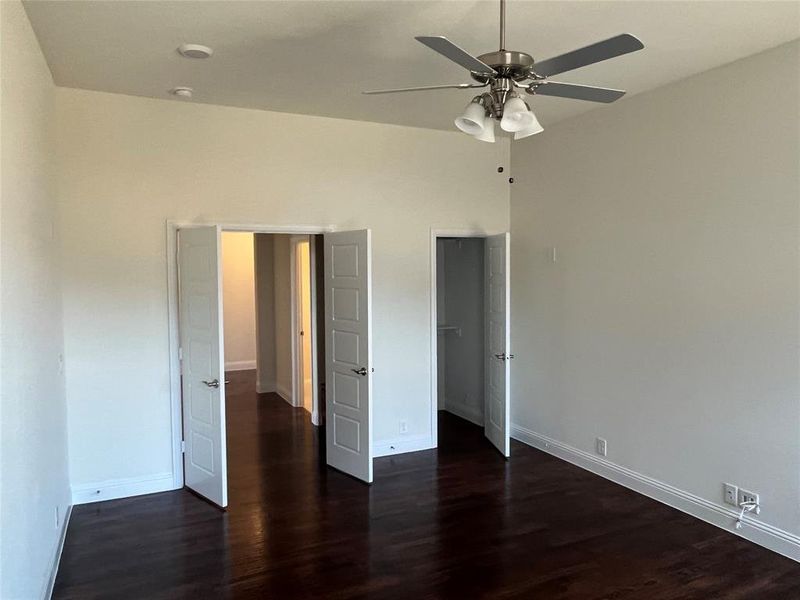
{"x": 194, "y": 51}
{"x": 182, "y": 92}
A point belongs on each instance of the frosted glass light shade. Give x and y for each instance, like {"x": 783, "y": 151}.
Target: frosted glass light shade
{"x": 487, "y": 135}
{"x": 516, "y": 115}
{"x": 533, "y": 129}
{"x": 473, "y": 119}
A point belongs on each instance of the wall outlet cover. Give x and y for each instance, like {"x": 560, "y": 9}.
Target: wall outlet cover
{"x": 601, "y": 445}
{"x": 730, "y": 494}
{"x": 748, "y": 496}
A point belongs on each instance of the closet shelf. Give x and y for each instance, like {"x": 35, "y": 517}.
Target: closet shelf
{"x": 448, "y": 328}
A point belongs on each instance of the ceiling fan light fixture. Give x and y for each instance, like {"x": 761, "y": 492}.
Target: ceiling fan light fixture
{"x": 473, "y": 121}
{"x": 516, "y": 115}
{"x": 532, "y": 129}
{"x": 487, "y": 135}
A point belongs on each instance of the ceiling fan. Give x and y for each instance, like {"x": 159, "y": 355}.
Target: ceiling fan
{"x": 508, "y": 72}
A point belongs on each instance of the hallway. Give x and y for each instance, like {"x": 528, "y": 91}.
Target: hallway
{"x": 459, "y": 522}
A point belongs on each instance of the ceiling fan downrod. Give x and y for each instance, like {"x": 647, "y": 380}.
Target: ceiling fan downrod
{"x": 502, "y": 25}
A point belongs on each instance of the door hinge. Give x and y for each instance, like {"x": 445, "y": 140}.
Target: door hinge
{"x": 183, "y": 447}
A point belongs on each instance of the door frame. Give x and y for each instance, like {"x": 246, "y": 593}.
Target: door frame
{"x": 297, "y": 383}
{"x": 176, "y": 401}
{"x": 434, "y": 399}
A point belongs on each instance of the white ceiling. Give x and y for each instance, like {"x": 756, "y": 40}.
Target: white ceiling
{"x": 314, "y": 57}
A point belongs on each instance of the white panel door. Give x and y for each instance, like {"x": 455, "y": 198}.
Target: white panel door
{"x": 498, "y": 341}
{"x": 202, "y": 363}
{"x": 348, "y": 352}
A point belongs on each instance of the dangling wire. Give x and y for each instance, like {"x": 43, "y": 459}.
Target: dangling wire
{"x": 747, "y": 507}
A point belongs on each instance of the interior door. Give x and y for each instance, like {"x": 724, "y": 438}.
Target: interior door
{"x": 348, "y": 352}
{"x": 202, "y": 363}
{"x": 498, "y": 339}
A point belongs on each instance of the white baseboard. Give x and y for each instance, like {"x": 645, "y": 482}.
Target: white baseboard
{"x": 407, "y": 443}
{"x": 467, "y": 413}
{"x": 240, "y": 365}
{"x": 56, "y": 560}
{"x": 265, "y": 387}
{"x": 284, "y": 393}
{"x": 777, "y": 540}
{"x": 122, "y": 488}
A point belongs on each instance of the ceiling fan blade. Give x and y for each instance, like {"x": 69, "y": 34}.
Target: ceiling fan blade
{"x": 577, "y": 91}
{"x": 610, "y": 48}
{"x": 449, "y": 50}
{"x": 424, "y": 88}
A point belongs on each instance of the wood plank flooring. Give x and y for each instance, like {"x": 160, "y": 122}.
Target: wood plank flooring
{"x": 460, "y": 523}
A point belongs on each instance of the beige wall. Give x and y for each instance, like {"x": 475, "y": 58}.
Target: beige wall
{"x": 265, "y": 311}
{"x": 33, "y": 445}
{"x": 126, "y": 165}
{"x": 238, "y": 300}
{"x": 283, "y": 316}
{"x": 274, "y": 309}
{"x": 669, "y": 323}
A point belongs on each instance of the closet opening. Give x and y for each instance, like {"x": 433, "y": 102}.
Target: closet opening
{"x": 460, "y": 330}
{"x": 471, "y": 348}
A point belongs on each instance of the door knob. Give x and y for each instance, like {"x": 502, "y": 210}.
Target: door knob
{"x": 214, "y": 383}
{"x": 500, "y": 356}
{"x": 362, "y": 371}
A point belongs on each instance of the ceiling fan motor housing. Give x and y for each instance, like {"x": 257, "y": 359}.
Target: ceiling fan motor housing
{"x": 511, "y": 66}
{"x": 508, "y": 63}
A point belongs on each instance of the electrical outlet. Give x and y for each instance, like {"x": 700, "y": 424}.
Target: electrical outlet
{"x": 731, "y": 494}
{"x": 403, "y": 426}
{"x": 747, "y": 496}
{"x": 601, "y": 446}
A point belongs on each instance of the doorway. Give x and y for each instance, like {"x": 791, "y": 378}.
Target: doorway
{"x": 268, "y": 314}
{"x": 470, "y": 334}
{"x": 460, "y": 327}
{"x": 304, "y": 325}
{"x": 342, "y": 356}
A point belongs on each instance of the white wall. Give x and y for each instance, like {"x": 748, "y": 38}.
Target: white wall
{"x": 33, "y": 446}
{"x": 128, "y": 164}
{"x": 441, "y": 318}
{"x": 239, "y": 300}
{"x": 669, "y": 323}
{"x": 265, "y": 312}
{"x": 463, "y": 277}
{"x": 283, "y": 315}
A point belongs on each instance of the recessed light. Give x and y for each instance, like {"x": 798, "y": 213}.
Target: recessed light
{"x": 182, "y": 92}
{"x": 195, "y": 51}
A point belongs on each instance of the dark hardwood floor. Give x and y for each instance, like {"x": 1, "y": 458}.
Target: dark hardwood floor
{"x": 460, "y": 522}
